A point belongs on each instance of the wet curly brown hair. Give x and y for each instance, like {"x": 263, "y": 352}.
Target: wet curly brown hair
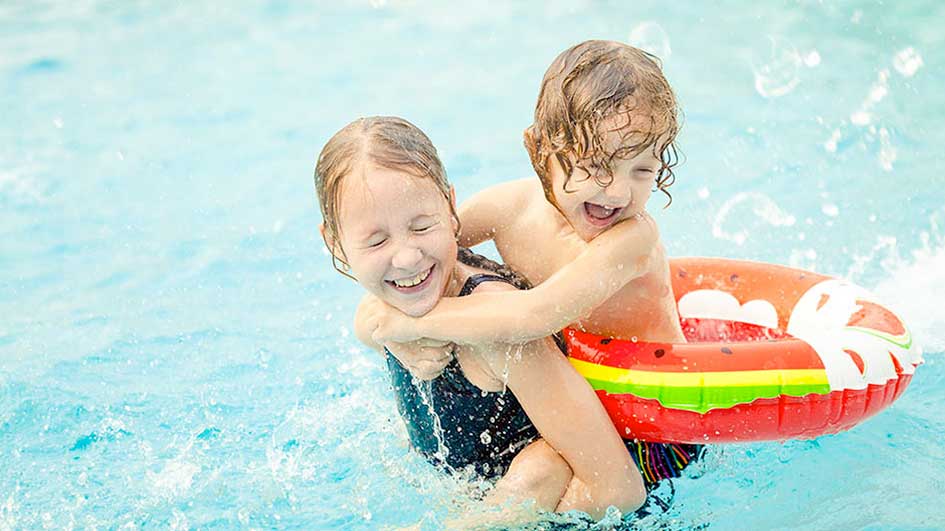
{"x": 385, "y": 141}
{"x": 595, "y": 82}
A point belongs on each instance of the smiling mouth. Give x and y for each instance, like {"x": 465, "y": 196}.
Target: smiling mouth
{"x": 412, "y": 284}
{"x": 599, "y": 215}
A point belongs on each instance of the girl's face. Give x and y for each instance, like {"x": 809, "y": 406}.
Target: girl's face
{"x": 590, "y": 208}
{"x": 399, "y": 237}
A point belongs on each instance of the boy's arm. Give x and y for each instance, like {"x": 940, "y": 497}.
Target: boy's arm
{"x": 609, "y": 262}
{"x": 425, "y": 359}
{"x": 488, "y": 212}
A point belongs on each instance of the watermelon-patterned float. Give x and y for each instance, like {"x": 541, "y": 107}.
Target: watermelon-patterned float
{"x": 774, "y": 353}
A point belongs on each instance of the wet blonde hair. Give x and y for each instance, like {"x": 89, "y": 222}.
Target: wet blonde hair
{"x": 595, "y": 81}
{"x": 385, "y": 141}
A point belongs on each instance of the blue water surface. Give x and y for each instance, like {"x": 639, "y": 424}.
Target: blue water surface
{"x": 176, "y": 350}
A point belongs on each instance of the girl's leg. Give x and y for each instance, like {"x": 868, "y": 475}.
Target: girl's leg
{"x": 537, "y": 473}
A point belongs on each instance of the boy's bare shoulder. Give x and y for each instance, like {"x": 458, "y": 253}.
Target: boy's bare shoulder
{"x": 512, "y": 195}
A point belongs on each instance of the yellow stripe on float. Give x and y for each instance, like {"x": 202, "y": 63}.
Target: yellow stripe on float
{"x": 781, "y": 377}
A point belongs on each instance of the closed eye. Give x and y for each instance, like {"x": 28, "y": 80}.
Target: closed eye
{"x": 425, "y": 228}
{"x": 376, "y": 243}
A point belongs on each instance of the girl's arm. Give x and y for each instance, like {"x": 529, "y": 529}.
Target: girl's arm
{"x": 609, "y": 262}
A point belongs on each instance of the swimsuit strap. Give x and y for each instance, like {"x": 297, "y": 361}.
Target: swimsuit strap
{"x": 474, "y": 281}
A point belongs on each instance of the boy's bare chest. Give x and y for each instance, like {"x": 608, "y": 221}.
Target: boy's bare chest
{"x": 644, "y": 308}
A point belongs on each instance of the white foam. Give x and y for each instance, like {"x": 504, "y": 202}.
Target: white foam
{"x": 916, "y": 291}
{"x": 174, "y": 479}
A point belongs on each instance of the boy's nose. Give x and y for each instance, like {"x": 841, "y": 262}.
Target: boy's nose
{"x": 406, "y": 257}
{"x": 618, "y": 191}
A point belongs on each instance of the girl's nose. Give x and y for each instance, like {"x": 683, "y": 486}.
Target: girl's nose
{"x": 406, "y": 257}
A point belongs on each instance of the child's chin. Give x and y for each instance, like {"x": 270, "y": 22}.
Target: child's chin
{"x": 418, "y": 309}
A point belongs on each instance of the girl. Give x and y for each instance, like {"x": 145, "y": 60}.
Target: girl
{"x": 390, "y": 223}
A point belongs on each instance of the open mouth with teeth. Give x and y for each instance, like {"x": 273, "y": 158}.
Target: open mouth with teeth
{"x": 412, "y": 284}
{"x": 600, "y": 215}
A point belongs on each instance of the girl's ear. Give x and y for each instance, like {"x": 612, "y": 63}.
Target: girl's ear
{"x": 344, "y": 268}
{"x": 454, "y": 221}
{"x": 329, "y": 242}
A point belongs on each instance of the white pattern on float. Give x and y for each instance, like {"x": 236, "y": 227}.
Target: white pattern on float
{"x": 825, "y": 329}
{"x": 717, "y": 304}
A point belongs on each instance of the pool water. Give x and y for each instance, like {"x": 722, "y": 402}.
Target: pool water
{"x": 176, "y": 350}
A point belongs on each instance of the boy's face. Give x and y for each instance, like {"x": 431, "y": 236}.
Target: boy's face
{"x": 591, "y": 208}
{"x": 399, "y": 237}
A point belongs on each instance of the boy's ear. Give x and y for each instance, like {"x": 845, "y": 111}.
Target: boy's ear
{"x": 531, "y": 143}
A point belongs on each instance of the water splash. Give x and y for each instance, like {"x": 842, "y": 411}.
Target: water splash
{"x": 651, "y": 37}
{"x": 425, "y": 388}
{"x": 762, "y": 206}
{"x": 8, "y": 513}
{"x": 887, "y": 152}
{"x": 916, "y": 287}
{"x": 777, "y": 74}
{"x": 907, "y": 62}
{"x": 174, "y": 479}
{"x": 878, "y": 91}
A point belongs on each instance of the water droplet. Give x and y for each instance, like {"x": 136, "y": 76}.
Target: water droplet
{"x": 860, "y": 118}
{"x": 812, "y": 59}
{"x": 703, "y": 193}
{"x": 887, "y": 153}
{"x": 651, "y": 37}
{"x": 830, "y": 209}
{"x": 907, "y": 62}
{"x": 485, "y": 437}
{"x": 831, "y": 143}
{"x": 776, "y": 75}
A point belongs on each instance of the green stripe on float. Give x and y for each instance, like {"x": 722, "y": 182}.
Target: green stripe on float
{"x": 703, "y": 399}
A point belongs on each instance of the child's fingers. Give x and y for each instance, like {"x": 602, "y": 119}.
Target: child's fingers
{"x": 435, "y": 343}
{"x": 427, "y": 370}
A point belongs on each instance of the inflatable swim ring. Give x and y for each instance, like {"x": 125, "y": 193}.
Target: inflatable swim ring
{"x": 774, "y": 353}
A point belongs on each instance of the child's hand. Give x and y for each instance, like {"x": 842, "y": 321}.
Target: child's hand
{"x": 392, "y": 326}
{"x": 425, "y": 359}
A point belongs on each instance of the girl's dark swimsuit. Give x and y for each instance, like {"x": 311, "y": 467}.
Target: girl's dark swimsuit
{"x": 456, "y": 425}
